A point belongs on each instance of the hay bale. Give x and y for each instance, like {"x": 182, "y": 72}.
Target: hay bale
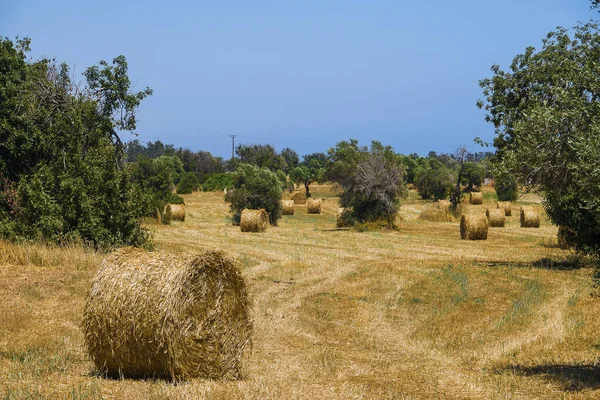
{"x": 298, "y": 197}
{"x": 288, "y": 207}
{"x": 529, "y": 218}
{"x": 254, "y": 220}
{"x": 506, "y": 206}
{"x": 443, "y": 205}
{"x": 341, "y": 220}
{"x": 476, "y": 198}
{"x": 473, "y": 227}
{"x": 313, "y": 206}
{"x": 177, "y": 211}
{"x": 496, "y": 217}
{"x": 170, "y": 316}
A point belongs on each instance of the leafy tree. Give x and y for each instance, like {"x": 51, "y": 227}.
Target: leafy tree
{"x": 545, "y": 110}
{"x": 375, "y": 190}
{"x": 434, "y": 181}
{"x": 218, "y": 182}
{"x": 343, "y": 160}
{"x": 61, "y": 158}
{"x": 174, "y": 167}
{"x": 255, "y": 188}
{"x": 291, "y": 158}
{"x": 311, "y": 170}
{"x": 506, "y": 186}
{"x": 260, "y": 155}
{"x": 372, "y": 180}
{"x": 188, "y": 183}
{"x": 153, "y": 182}
{"x": 473, "y": 175}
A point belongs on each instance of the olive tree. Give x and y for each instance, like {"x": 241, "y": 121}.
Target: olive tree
{"x": 546, "y": 112}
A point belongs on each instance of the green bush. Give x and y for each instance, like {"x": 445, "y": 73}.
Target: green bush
{"x": 188, "y": 183}
{"x": 506, "y": 187}
{"x": 434, "y": 182}
{"x": 218, "y": 182}
{"x": 255, "y": 188}
{"x": 61, "y": 159}
{"x": 174, "y": 199}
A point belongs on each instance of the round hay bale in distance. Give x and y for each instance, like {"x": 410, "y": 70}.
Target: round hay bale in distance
{"x": 299, "y": 197}
{"x": 254, "y": 220}
{"x": 496, "y": 217}
{"x": 443, "y": 205}
{"x": 153, "y": 314}
{"x": 476, "y": 198}
{"x": 288, "y": 207}
{"x": 529, "y": 219}
{"x": 313, "y": 206}
{"x": 506, "y": 206}
{"x": 473, "y": 227}
{"x": 177, "y": 211}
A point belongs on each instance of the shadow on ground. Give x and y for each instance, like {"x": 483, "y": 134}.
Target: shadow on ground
{"x": 568, "y": 377}
{"x": 567, "y": 264}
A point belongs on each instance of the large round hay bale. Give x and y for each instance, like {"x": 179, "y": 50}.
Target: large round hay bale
{"x": 506, "y": 206}
{"x": 341, "y": 220}
{"x": 313, "y": 206}
{"x": 254, "y": 220}
{"x": 473, "y": 227}
{"x": 298, "y": 197}
{"x": 496, "y": 217}
{"x": 288, "y": 207}
{"x": 529, "y": 219}
{"x": 476, "y": 198}
{"x": 152, "y": 314}
{"x": 177, "y": 211}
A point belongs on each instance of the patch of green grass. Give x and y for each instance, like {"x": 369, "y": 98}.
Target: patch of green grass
{"x": 522, "y": 307}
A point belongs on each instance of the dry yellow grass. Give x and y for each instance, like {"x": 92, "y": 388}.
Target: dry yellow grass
{"x": 338, "y": 314}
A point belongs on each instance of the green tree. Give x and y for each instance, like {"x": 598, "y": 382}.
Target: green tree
{"x": 255, "y": 188}
{"x": 506, "y": 186}
{"x": 188, "y": 183}
{"x": 260, "y": 155}
{"x": 291, "y": 158}
{"x": 372, "y": 180}
{"x": 545, "y": 110}
{"x": 61, "y": 157}
{"x": 434, "y": 180}
{"x": 473, "y": 175}
{"x": 311, "y": 170}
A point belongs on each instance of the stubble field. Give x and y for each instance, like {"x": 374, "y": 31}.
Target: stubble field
{"x": 338, "y": 314}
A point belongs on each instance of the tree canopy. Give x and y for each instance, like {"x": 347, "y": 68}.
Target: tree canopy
{"x": 61, "y": 157}
{"x": 546, "y": 111}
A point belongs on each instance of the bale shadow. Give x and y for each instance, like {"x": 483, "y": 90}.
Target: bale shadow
{"x": 568, "y": 264}
{"x": 571, "y": 378}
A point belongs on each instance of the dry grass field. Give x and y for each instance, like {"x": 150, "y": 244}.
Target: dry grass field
{"x": 338, "y": 314}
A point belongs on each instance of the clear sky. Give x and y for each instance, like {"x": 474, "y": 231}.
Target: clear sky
{"x": 300, "y": 74}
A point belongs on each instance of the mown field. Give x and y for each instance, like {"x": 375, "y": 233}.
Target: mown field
{"x": 338, "y": 314}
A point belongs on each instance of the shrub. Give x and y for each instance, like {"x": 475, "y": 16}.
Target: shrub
{"x": 506, "y": 187}
{"x": 218, "y": 182}
{"x": 434, "y": 181}
{"x": 188, "y": 183}
{"x": 373, "y": 193}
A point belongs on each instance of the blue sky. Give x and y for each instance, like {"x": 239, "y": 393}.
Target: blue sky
{"x": 299, "y": 74}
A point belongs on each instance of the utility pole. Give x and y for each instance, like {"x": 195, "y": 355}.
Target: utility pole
{"x": 232, "y": 146}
